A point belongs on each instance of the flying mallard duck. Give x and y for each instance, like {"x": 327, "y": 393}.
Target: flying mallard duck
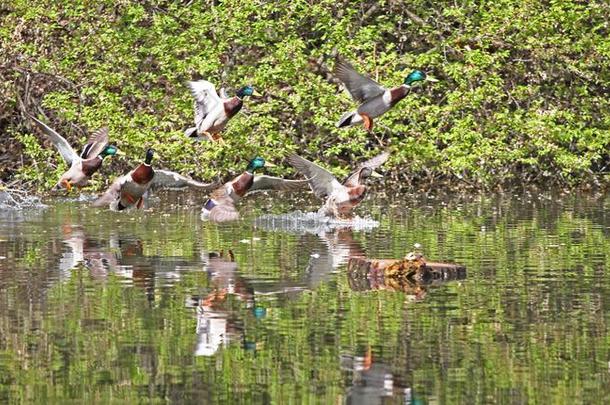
{"x": 220, "y": 207}
{"x": 340, "y": 198}
{"x": 374, "y": 99}
{"x": 212, "y": 112}
{"x": 130, "y": 189}
{"x": 82, "y": 166}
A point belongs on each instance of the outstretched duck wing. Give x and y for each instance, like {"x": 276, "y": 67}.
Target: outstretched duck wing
{"x": 373, "y": 163}
{"x": 169, "y": 179}
{"x": 59, "y": 141}
{"x": 321, "y": 181}
{"x": 96, "y": 143}
{"x": 206, "y": 98}
{"x": 113, "y": 193}
{"x": 264, "y": 182}
{"x": 360, "y": 87}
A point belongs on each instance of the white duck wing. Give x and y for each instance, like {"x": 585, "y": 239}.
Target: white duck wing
{"x": 169, "y": 179}
{"x": 59, "y": 141}
{"x": 206, "y": 99}
{"x": 113, "y": 193}
{"x": 360, "y": 87}
{"x": 223, "y": 93}
{"x": 264, "y": 182}
{"x": 96, "y": 143}
{"x": 321, "y": 181}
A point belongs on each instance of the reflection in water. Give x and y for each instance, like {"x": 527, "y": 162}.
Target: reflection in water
{"x": 340, "y": 247}
{"x": 412, "y": 275}
{"x": 216, "y": 325}
{"x": 371, "y": 380}
{"x": 98, "y": 306}
{"x": 118, "y": 255}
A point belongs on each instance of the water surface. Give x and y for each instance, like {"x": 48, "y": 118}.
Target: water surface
{"x": 158, "y": 306}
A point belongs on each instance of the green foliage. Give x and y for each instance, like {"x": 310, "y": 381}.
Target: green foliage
{"x": 522, "y": 97}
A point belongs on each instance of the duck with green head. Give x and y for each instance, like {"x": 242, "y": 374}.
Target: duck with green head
{"x": 82, "y": 166}
{"x": 213, "y": 112}
{"x": 131, "y": 189}
{"x": 373, "y": 98}
{"x": 220, "y": 207}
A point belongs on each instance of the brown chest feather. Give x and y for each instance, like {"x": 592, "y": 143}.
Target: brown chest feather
{"x": 91, "y": 166}
{"x": 233, "y": 106}
{"x": 397, "y": 94}
{"x": 143, "y": 174}
{"x": 242, "y": 184}
{"x": 356, "y": 194}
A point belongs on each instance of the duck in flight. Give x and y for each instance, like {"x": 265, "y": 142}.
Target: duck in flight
{"x": 82, "y": 166}
{"x": 373, "y": 99}
{"x": 220, "y": 207}
{"x": 131, "y": 189}
{"x": 213, "y": 112}
{"x": 339, "y": 198}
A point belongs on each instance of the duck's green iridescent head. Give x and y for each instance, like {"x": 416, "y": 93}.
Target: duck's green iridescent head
{"x": 415, "y": 76}
{"x": 255, "y": 164}
{"x": 246, "y": 91}
{"x": 110, "y": 150}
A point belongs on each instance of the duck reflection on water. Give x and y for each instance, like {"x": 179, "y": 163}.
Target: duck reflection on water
{"x": 371, "y": 380}
{"x": 338, "y": 246}
{"x": 218, "y": 324}
{"x": 100, "y": 258}
{"x": 122, "y": 255}
{"x": 218, "y": 321}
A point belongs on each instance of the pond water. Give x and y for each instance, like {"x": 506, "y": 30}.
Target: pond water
{"x": 98, "y": 306}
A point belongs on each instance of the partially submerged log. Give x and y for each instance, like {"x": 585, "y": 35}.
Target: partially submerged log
{"x": 403, "y": 274}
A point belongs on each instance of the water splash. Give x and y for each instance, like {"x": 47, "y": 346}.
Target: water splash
{"x": 311, "y": 222}
{"x": 12, "y": 199}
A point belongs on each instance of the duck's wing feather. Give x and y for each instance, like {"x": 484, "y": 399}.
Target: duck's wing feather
{"x": 59, "y": 141}
{"x": 223, "y": 93}
{"x": 206, "y": 98}
{"x": 224, "y": 213}
{"x": 169, "y": 179}
{"x": 224, "y": 210}
{"x": 96, "y": 143}
{"x": 360, "y": 87}
{"x": 373, "y": 163}
{"x": 113, "y": 192}
{"x": 321, "y": 181}
{"x": 264, "y": 182}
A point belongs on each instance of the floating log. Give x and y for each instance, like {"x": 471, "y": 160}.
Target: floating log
{"x": 400, "y": 274}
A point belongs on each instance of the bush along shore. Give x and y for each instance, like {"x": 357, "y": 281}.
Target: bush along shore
{"x": 522, "y": 97}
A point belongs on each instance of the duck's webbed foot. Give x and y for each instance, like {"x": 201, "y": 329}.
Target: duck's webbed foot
{"x": 68, "y": 185}
{"x": 368, "y": 122}
{"x": 216, "y": 137}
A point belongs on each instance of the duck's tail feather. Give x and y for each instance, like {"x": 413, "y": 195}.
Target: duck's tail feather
{"x": 191, "y": 133}
{"x": 349, "y": 118}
